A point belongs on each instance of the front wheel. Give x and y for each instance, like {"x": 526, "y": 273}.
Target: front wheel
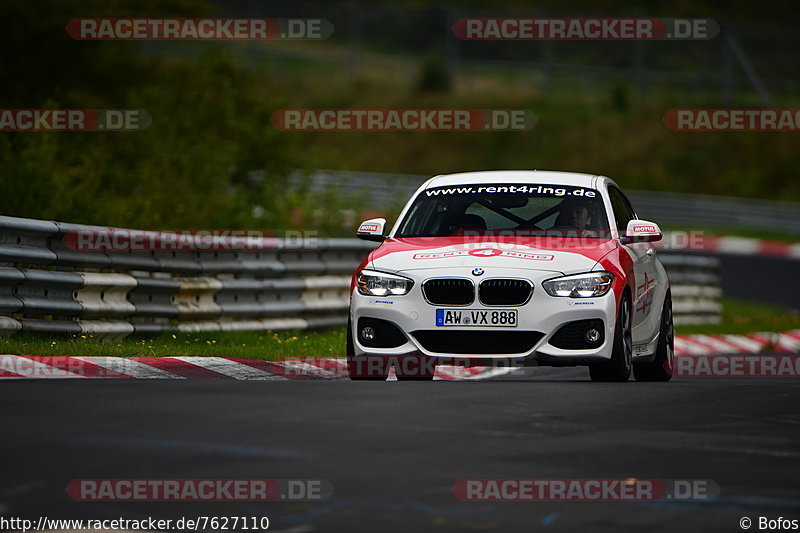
{"x": 618, "y": 368}
{"x": 661, "y": 368}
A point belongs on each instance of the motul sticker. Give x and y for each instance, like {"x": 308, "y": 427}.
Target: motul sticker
{"x": 485, "y": 252}
{"x": 648, "y": 229}
{"x": 368, "y": 227}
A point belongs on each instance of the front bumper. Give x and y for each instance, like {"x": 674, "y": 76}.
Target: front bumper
{"x": 542, "y": 314}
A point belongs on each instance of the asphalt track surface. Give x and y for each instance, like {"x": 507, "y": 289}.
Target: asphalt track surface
{"x": 393, "y": 450}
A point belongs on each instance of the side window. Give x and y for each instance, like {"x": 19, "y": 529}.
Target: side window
{"x": 623, "y": 212}
{"x": 628, "y": 204}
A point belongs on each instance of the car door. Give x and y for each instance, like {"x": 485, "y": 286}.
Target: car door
{"x": 644, "y": 268}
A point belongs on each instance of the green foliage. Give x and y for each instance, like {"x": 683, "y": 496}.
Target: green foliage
{"x": 208, "y": 159}
{"x": 211, "y": 158}
{"x": 433, "y": 76}
{"x": 266, "y": 345}
{"x": 210, "y": 131}
{"x": 620, "y": 97}
{"x": 739, "y": 316}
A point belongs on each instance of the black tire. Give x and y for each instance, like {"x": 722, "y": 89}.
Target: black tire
{"x": 363, "y": 368}
{"x": 415, "y": 368}
{"x": 350, "y": 349}
{"x": 618, "y": 368}
{"x": 663, "y": 365}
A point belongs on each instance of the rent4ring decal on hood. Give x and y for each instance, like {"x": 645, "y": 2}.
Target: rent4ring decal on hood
{"x": 485, "y": 252}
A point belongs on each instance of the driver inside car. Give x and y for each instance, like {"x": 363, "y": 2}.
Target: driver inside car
{"x": 574, "y": 214}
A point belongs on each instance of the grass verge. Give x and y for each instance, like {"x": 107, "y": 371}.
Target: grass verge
{"x": 737, "y": 317}
{"x": 245, "y": 345}
{"x": 740, "y": 316}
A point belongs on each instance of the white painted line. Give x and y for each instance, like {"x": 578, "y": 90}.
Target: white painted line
{"x": 129, "y": 367}
{"x": 455, "y": 372}
{"x": 449, "y": 372}
{"x": 791, "y": 343}
{"x": 492, "y": 373}
{"x": 32, "y": 369}
{"x": 716, "y": 344}
{"x": 301, "y": 368}
{"x": 679, "y": 350}
{"x": 739, "y": 245}
{"x": 685, "y": 344}
{"x": 795, "y": 333}
{"x": 229, "y": 368}
{"x": 340, "y": 365}
{"x": 748, "y": 345}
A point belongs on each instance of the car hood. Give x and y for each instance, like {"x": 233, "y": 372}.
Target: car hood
{"x": 564, "y": 255}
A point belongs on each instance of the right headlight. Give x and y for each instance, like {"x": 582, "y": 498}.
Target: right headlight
{"x": 373, "y": 283}
{"x": 589, "y": 285}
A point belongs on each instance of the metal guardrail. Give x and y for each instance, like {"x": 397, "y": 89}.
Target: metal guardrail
{"x": 384, "y": 190}
{"x": 48, "y": 286}
{"x": 695, "y": 286}
{"x": 718, "y": 211}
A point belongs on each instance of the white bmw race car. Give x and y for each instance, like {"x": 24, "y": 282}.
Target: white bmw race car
{"x": 519, "y": 268}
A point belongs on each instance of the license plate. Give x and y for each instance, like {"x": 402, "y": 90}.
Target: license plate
{"x": 476, "y": 317}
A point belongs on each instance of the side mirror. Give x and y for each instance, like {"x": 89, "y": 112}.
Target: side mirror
{"x": 641, "y": 231}
{"x": 372, "y": 230}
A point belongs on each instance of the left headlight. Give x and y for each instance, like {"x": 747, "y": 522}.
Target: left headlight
{"x": 587, "y": 285}
{"x": 372, "y": 283}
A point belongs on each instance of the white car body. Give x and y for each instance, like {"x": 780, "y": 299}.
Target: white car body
{"x": 636, "y": 269}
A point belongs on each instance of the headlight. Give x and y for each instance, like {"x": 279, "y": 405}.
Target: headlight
{"x": 586, "y": 285}
{"x": 372, "y": 283}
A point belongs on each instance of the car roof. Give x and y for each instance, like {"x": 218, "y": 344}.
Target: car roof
{"x": 513, "y": 176}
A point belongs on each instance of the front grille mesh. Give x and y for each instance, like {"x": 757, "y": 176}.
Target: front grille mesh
{"x": 477, "y": 342}
{"x": 504, "y": 291}
{"x": 449, "y": 291}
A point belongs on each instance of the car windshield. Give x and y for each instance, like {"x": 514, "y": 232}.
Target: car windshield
{"x": 528, "y": 209}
